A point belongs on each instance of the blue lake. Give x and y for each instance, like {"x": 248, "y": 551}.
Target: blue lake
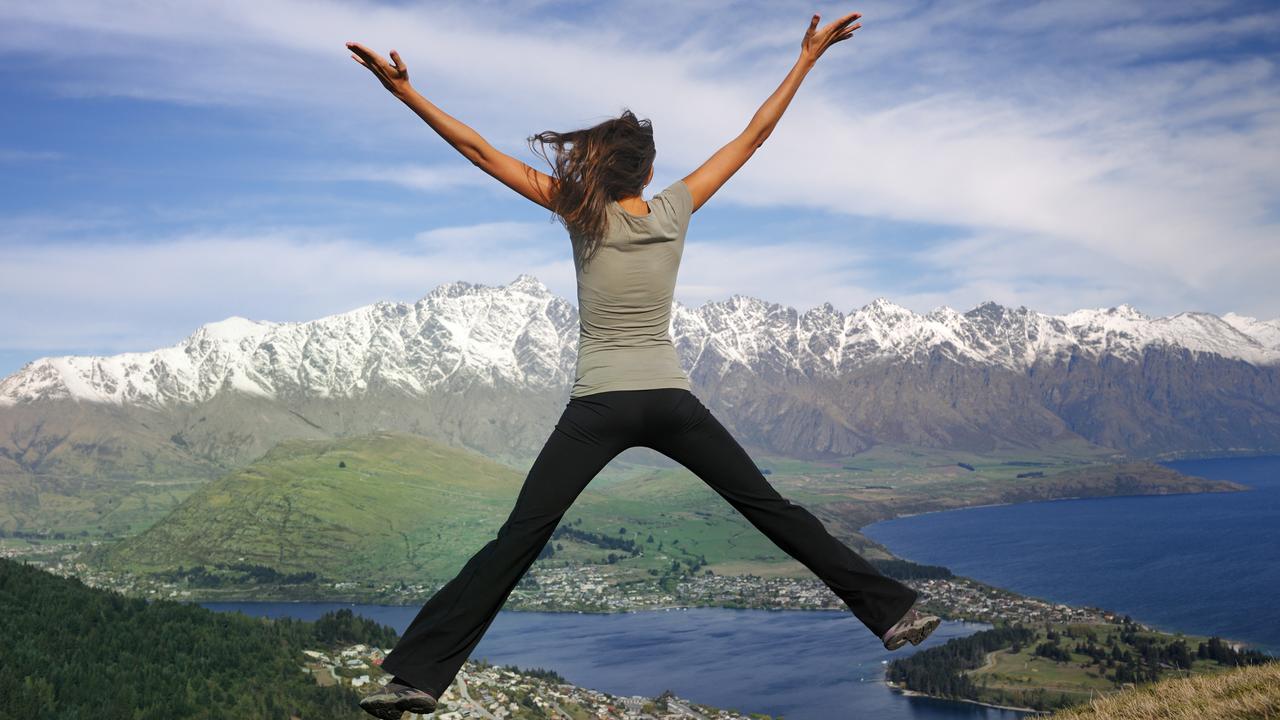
{"x": 1204, "y": 563}
{"x": 806, "y": 665}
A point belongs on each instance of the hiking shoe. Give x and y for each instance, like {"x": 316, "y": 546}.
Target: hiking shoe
{"x": 914, "y": 626}
{"x": 394, "y": 699}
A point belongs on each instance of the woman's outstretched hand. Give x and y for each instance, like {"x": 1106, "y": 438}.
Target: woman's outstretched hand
{"x": 816, "y": 42}
{"x": 393, "y": 77}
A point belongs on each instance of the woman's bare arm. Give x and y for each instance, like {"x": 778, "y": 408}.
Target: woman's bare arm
{"x": 515, "y": 174}
{"x": 716, "y": 171}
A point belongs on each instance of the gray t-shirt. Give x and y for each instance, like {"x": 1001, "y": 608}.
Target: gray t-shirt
{"x": 624, "y": 298}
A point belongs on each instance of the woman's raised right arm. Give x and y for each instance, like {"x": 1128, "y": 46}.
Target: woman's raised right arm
{"x": 716, "y": 171}
{"x": 515, "y": 174}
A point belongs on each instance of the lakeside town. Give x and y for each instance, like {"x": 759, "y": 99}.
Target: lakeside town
{"x": 483, "y": 690}
{"x": 589, "y": 589}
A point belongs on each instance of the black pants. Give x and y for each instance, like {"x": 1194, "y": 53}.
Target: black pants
{"x": 591, "y": 431}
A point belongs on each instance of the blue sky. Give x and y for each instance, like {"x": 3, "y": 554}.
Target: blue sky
{"x": 170, "y": 165}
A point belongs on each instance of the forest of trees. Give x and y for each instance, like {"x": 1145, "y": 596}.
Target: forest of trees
{"x": 600, "y": 539}
{"x": 1127, "y": 656}
{"x": 937, "y": 670}
{"x": 899, "y": 569}
{"x": 77, "y": 652}
{"x": 233, "y": 575}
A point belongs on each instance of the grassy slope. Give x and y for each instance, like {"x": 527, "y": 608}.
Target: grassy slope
{"x": 1244, "y": 693}
{"x": 1079, "y": 679}
{"x": 86, "y": 507}
{"x": 404, "y": 506}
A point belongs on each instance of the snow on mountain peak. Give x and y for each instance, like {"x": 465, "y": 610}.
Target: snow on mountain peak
{"x": 1126, "y": 310}
{"x": 231, "y": 330}
{"x": 883, "y": 310}
{"x": 1266, "y": 332}
{"x": 520, "y": 334}
{"x": 1120, "y": 316}
{"x": 528, "y": 283}
{"x": 884, "y": 306}
{"x": 1124, "y": 331}
{"x": 447, "y": 290}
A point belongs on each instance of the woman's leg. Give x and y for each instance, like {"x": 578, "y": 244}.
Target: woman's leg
{"x": 451, "y": 623}
{"x": 692, "y": 436}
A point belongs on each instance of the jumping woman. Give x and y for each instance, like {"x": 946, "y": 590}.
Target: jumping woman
{"x": 629, "y": 389}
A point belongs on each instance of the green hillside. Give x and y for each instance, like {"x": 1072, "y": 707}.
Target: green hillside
{"x": 393, "y": 507}
{"x": 381, "y": 505}
{"x": 50, "y": 508}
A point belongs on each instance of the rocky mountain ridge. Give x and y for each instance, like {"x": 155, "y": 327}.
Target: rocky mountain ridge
{"x": 488, "y": 368}
{"x": 522, "y": 334}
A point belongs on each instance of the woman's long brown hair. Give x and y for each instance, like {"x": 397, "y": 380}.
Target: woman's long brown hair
{"x": 593, "y": 166}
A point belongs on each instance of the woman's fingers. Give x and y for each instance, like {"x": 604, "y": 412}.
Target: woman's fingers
{"x": 366, "y": 63}
{"x": 836, "y": 31}
{"x": 846, "y": 34}
{"x": 847, "y": 19}
{"x": 358, "y": 49}
{"x": 393, "y": 77}
{"x": 396, "y": 69}
{"x": 837, "y": 27}
{"x": 369, "y": 56}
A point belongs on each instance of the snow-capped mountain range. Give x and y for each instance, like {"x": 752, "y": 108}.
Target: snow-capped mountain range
{"x": 522, "y": 335}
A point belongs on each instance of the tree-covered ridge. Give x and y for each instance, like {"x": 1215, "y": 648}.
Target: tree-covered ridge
{"x": 938, "y": 670}
{"x": 1082, "y": 661}
{"x": 87, "y": 654}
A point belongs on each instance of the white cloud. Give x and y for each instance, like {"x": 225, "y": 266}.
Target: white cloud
{"x": 830, "y": 271}
{"x": 106, "y": 294}
{"x": 427, "y": 178}
{"x": 1140, "y": 36}
{"x": 135, "y": 296}
{"x": 15, "y": 155}
{"x": 1076, "y": 164}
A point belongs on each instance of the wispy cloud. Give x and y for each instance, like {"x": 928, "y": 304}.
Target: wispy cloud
{"x": 67, "y": 290}
{"x": 427, "y": 178}
{"x": 1052, "y": 154}
{"x": 295, "y": 274}
{"x": 13, "y": 155}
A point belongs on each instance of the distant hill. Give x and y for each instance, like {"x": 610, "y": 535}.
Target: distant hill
{"x": 391, "y": 507}
{"x": 75, "y": 651}
{"x": 1250, "y": 692}
{"x": 382, "y": 506}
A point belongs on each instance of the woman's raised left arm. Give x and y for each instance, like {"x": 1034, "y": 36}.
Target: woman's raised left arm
{"x": 515, "y": 174}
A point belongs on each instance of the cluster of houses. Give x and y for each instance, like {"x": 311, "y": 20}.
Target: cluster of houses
{"x": 482, "y": 690}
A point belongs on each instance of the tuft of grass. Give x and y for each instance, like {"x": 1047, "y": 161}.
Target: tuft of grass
{"x": 1250, "y": 692}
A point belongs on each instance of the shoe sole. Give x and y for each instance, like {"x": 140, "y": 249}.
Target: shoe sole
{"x": 421, "y": 706}
{"x": 914, "y": 634}
{"x": 385, "y": 711}
{"x": 392, "y": 709}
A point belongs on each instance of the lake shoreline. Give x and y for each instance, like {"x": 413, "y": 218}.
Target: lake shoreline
{"x": 966, "y": 535}
{"x": 916, "y": 693}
